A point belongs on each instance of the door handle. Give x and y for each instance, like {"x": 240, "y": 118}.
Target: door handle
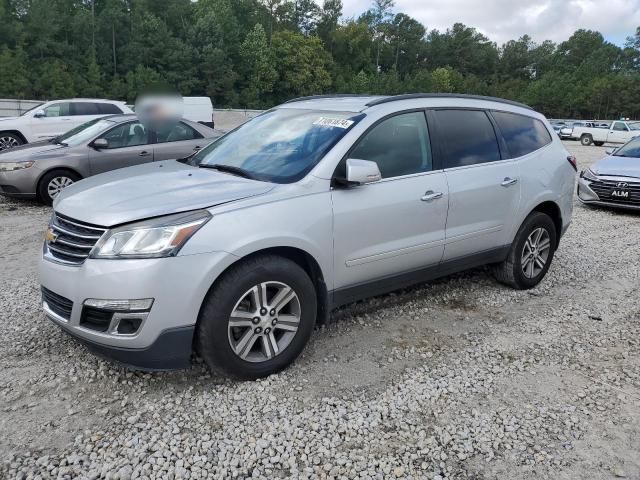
{"x": 430, "y": 195}
{"x": 144, "y": 153}
{"x": 507, "y": 182}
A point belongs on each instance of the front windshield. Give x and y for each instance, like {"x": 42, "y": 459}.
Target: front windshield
{"x": 281, "y": 145}
{"x": 629, "y": 149}
{"x": 85, "y": 132}
{"x": 634, "y": 126}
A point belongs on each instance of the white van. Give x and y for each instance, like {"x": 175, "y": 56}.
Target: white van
{"x": 198, "y": 109}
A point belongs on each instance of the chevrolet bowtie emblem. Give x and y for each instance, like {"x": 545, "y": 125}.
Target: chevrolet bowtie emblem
{"x": 50, "y": 236}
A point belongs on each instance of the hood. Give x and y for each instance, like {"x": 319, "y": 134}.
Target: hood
{"x": 151, "y": 190}
{"x": 31, "y": 151}
{"x": 617, "y": 166}
{"x": 6, "y": 119}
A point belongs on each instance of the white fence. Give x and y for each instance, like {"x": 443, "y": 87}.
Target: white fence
{"x": 228, "y": 119}
{"x": 10, "y": 107}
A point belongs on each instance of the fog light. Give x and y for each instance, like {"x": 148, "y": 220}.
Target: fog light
{"x": 141, "y": 304}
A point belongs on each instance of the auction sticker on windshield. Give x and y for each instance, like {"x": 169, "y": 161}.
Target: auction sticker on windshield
{"x": 333, "y": 122}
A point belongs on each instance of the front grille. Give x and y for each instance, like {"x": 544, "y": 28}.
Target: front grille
{"x": 58, "y": 304}
{"x": 72, "y": 240}
{"x": 604, "y": 189}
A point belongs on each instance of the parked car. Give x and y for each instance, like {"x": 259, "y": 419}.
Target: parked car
{"x": 42, "y": 169}
{"x": 557, "y": 126}
{"x": 618, "y": 132}
{"x": 54, "y": 118}
{"x": 615, "y": 180}
{"x": 319, "y": 202}
{"x": 199, "y": 109}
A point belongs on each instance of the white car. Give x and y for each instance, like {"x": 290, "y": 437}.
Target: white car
{"x": 54, "y": 118}
{"x": 618, "y": 132}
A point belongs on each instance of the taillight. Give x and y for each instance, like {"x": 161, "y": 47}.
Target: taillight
{"x": 574, "y": 163}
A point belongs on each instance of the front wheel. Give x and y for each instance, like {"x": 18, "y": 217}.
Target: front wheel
{"x": 9, "y": 140}
{"x": 530, "y": 254}
{"x": 52, "y": 183}
{"x": 257, "y": 319}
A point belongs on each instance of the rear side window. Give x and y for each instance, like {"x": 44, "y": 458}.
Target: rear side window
{"x": 522, "y": 134}
{"x": 179, "y": 132}
{"x": 399, "y": 145}
{"x": 108, "y": 108}
{"x": 468, "y": 137}
{"x": 84, "y": 108}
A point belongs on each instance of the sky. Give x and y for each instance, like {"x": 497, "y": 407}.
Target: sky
{"x": 503, "y": 20}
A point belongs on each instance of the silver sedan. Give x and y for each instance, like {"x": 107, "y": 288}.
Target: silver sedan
{"x": 42, "y": 169}
{"x": 613, "y": 181}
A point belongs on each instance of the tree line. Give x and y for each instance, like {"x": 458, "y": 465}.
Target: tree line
{"x": 258, "y": 53}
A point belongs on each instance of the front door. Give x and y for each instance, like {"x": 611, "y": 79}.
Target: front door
{"x": 395, "y": 225}
{"x": 128, "y": 144}
{"x": 57, "y": 120}
{"x": 484, "y": 190}
{"x": 618, "y": 133}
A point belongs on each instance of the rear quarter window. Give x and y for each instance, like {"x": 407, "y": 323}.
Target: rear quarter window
{"x": 108, "y": 109}
{"x": 522, "y": 134}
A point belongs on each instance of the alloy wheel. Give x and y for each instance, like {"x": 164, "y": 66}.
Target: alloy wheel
{"x": 535, "y": 252}
{"x": 56, "y": 185}
{"x": 264, "y": 321}
{"x": 7, "y": 142}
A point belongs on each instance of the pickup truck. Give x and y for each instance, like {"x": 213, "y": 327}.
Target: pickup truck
{"x": 618, "y": 132}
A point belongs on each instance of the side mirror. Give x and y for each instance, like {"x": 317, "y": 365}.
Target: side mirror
{"x": 360, "y": 172}
{"x": 39, "y": 114}
{"x": 99, "y": 143}
{"x": 611, "y": 151}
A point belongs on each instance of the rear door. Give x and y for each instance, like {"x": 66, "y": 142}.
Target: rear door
{"x": 129, "y": 144}
{"x": 484, "y": 189}
{"x": 177, "y": 142}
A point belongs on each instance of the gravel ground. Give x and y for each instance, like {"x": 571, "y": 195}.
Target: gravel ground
{"x": 460, "y": 379}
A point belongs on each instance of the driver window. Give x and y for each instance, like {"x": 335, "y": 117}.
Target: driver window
{"x": 57, "y": 110}
{"x": 399, "y": 145}
{"x": 620, "y": 127}
{"x": 127, "y": 135}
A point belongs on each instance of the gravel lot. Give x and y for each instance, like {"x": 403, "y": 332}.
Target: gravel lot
{"x": 461, "y": 379}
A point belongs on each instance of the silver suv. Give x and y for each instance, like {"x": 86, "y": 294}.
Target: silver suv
{"x": 239, "y": 251}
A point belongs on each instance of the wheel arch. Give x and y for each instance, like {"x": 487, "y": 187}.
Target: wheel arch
{"x": 17, "y": 133}
{"x": 303, "y": 259}
{"x": 552, "y": 209}
{"x": 53, "y": 169}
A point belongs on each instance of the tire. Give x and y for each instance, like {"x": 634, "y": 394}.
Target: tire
{"x": 511, "y": 272}
{"x": 217, "y": 341}
{"x": 47, "y": 191}
{"x": 598, "y": 144}
{"x": 9, "y": 140}
{"x": 586, "y": 140}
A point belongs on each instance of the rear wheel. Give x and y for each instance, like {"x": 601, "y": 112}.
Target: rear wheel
{"x": 530, "y": 254}
{"x": 53, "y": 182}
{"x": 257, "y": 319}
{"x": 9, "y": 140}
{"x": 586, "y": 140}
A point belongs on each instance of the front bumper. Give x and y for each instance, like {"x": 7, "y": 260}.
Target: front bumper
{"x": 19, "y": 183}
{"x": 178, "y": 286}
{"x": 588, "y": 197}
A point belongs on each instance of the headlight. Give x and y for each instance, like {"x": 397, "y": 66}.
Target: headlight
{"x": 158, "y": 237}
{"x": 589, "y": 175}
{"x": 11, "y": 166}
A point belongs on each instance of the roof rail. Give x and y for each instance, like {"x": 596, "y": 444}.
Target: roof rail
{"x": 337, "y": 95}
{"x": 410, "y": 96}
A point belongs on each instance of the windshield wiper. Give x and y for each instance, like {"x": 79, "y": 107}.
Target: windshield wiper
{"x": 240, "y": 172}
